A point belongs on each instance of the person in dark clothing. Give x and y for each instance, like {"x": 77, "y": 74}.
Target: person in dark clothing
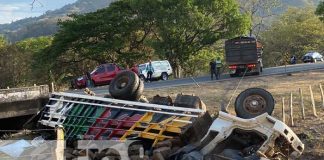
{"x": 89, "y": 82}
{"x": 219, "y": 65}
{"x": 213, "y": 70}
{"x": 150, "y": 71}
{"x": 293, "y": 59}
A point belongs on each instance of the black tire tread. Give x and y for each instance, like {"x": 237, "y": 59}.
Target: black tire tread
{"x": 139, "y": 91}
{"x": 127, "y": 92}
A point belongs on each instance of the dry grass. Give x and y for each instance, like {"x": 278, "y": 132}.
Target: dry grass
{"x": 214, "y": 93}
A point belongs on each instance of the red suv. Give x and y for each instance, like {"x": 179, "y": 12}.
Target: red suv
{"x": 101, "y": 75}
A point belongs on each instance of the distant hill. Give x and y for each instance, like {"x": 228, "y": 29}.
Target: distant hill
{"x": 299, "y": 3}
{"x": 46, "y": 24}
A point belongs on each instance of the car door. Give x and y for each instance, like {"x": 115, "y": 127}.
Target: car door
{"x": 142, "y": 70}
{"x": 111, "y": 72}
{"x": 99, "y": 75}
{"x": 157, "y": 69}
{"x": 168, "y": 66}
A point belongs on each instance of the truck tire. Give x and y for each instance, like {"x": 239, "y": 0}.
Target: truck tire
{"x": 164, "y": 76}
{"x": 162, "y": 100}
{"x": 187, "y": 101}
{"x": 139, "y": 91}
{"x": 124, "y": 85}
{"x": 254, "y": 102}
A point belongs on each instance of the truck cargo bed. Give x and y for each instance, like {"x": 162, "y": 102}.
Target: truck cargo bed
{"x": 241, "y": 50}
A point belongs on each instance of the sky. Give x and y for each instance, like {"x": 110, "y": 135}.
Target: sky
{"x": 12, "y": 10}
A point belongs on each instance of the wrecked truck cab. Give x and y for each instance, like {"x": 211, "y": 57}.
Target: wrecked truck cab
{"x": 262, "y": 136}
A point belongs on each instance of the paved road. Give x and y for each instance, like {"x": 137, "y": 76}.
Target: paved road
{"x": 192, "y": 81}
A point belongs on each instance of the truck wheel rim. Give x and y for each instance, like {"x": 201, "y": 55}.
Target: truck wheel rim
{"x": 122, "y": 82}
{"x": 164, "y": 76}
{"x": 254, "y": 104}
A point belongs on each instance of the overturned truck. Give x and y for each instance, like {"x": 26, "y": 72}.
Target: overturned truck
{"x": 182, "y": 129}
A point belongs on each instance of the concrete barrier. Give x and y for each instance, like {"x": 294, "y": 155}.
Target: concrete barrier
{"x": 22, "y": 101}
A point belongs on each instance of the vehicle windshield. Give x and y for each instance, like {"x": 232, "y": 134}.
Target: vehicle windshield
{"x": 94, "y": 70}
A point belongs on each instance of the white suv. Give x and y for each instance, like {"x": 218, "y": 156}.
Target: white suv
{"x": 162, "y": 70}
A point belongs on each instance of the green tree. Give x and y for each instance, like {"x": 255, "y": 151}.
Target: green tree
{"x": 320, "y": 10}
{"x": 184, "y": 27}
{"x": 296, "y": 32}
{"x": 3, "y": 42}
{"x": 129, "y": 30}
{"x": 34, "y": 45}
{"x": 17, "y": 59}
{"x": 199, "y": 64}
{"x": 32, "y": 48}
{"x": 259, "y": 12}
{"x": 115, "y": 34}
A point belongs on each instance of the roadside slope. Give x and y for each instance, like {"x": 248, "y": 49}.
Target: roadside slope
{"x": 216, "y": 93}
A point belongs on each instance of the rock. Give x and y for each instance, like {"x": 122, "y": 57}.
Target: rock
{"x": 136, "y": 157}
{"x": 157, "y": 156}
{"x": 166, "y": 143}
{"x": 134, "y": 150}
{"x": 161, "y": 153}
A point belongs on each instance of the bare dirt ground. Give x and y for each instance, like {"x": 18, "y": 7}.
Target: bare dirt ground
{"x": 214, "y": 94}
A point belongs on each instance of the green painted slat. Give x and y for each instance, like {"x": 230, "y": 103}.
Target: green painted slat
{"x": 86, "y": 121}
{"x": 71, "y": 117}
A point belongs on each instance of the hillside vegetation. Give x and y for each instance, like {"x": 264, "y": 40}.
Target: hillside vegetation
{"x": 47, "y": 24}
{"x": 187, "y": 33}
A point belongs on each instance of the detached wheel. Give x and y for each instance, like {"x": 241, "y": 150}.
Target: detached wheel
{"x": 164, "y": 76}
{"x": 139, "y": 91}
{"x": 254, "y": 102}
{"x": 124, "y": 85}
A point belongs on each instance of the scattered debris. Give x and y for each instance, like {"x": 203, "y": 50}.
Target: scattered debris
{"x": 15, "y": 149}
{"x": 166, "y": 129}
{"x": 89, "y": 92}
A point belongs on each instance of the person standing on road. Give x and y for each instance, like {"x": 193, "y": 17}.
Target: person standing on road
{"x": 89, "y": 82}
{"x": 219, "y": 65}
{"x": 213, "y": 70}
{"x": 150, "y": 71}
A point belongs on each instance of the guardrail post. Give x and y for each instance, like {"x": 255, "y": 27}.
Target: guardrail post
{"x": 322, "y": 95}
{"x": 313, "y": 101}
{"x": 283, "y": 110}
{"x": 291, "y": 110}
{"x": 302, "y": 103}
